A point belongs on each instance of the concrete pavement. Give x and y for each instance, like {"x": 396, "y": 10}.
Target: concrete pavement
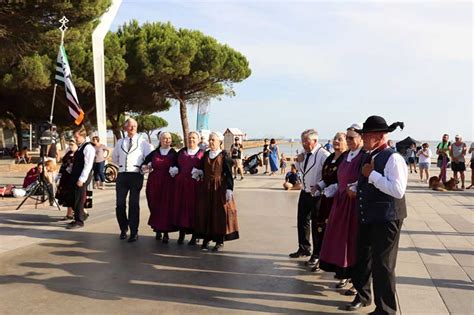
{"x": 47, "y": 269}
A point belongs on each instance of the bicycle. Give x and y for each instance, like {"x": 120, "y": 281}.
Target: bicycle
{"x": 110, "y": 172}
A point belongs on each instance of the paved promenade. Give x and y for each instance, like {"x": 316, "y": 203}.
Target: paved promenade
{"x": 47, "y": 269}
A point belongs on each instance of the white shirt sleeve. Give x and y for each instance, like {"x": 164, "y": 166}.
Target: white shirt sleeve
{"x": 394, "y": 180}
{"x": 115, "y": 153}
{"x": 89, "y": 155}
{"x": 147, "y": 148}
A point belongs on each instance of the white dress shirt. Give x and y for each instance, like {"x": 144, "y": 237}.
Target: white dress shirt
{"x": 130, "y": 159}
{"x": 89, "y": 156}
{"x": 394, "y": 180}
{"x": 312, "y": 174}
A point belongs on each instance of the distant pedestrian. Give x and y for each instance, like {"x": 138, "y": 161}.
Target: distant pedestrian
{"x": 329, "y": 147}
{"x": 471, "y": 150}
{"x": 442, "y": 149}
{"x": 391, "y": 144}
{"x": 424, "y": 156}
{"x": 458, "y": 152}
{"x": 203, "y": 145}
{"x": 411, "y": 157}
{"x": 101, "y": 153}
{"x": 266, "y": 153}
{"x": 283, "y": 164}
{"x": 236, "y": 153}
{"x": 273, "y": 156}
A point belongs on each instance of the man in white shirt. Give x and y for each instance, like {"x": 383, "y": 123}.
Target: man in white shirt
{"x": 129, "y": 154}
{"x": 381, "y": 209}
{"x": 81, "y": 175}
{"x": 310, "y": 165}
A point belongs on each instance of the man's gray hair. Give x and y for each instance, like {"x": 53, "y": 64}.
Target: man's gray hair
{"x": 125, "y": 124}
{"x": 309, "y": 133}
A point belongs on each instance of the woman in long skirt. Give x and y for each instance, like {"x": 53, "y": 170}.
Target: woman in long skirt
{"x": 187, "y": 183}
{"x": 216, "y": 215}
{"x": 338, "y": 252}
{"x": 327, "y": 187}
{"x": 160, "y": 187}
{"x": 65, "y": 192}
{"x": 273, "y": 156}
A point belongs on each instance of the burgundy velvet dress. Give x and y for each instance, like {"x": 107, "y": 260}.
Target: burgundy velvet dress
{"x": 186, "y": 190}
{"x": 160, "y": 191}
{"x": 338, "y": 252}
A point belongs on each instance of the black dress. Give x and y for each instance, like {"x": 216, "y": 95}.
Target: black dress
{"x": 65, "y": 192}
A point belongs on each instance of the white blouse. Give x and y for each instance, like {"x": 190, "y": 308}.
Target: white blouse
{"x": 214, "y": 154}
{"x": 352, "y": 154}
{"x": 193, "y": 151}
{"x": 164, "y": 151}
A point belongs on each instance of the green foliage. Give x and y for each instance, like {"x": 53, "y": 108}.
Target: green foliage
{"x": 182, "y": 64}
{"x": 176, "y": 141}
{"x": 150, "y": 123}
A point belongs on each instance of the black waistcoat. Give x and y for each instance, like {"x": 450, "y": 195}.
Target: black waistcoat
{"x": 373, "y": 205}
{"x": 78, "y": 164}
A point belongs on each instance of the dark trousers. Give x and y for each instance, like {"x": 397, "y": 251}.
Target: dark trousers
{"x": 79, "y": 200}
{"x": 308, "y": 208}
{"x": 128, "y": 182}
{"x": 98, "y": 169}
{"x": 377, "y": 248}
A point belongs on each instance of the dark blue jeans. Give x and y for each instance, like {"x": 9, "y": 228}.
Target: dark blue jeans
{"x": 99, "y": 171}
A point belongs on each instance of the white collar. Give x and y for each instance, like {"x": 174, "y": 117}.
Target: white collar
{"x": 164, "y": 151}
{"x": 213, "y": 154}
{"x": 193, "y": 151}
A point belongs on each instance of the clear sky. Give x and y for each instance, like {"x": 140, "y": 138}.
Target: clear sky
{"x": 325, "y": 65}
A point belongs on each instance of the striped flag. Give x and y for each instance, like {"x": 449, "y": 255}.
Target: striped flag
{"x": 63, "y": 76}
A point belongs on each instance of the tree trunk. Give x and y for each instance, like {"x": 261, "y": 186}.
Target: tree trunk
{"x": 19, "y": 135}
{"x": 184, "y": 120}
{"x": 115, "y": 127}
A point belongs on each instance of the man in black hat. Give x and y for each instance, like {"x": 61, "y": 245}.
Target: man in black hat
{"x": 381, "y": 206}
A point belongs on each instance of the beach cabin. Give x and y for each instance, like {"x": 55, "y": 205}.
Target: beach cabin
{"x": 229, "y": 136}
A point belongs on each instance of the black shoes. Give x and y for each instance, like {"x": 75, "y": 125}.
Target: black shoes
{"x": 218, "y": 247}
{"x": 166, "y": 238}
{"x": 123, "y": 235}
{"x": 204, "y": 245}
{"x": 133, "y": 238}
{"x": 342, "y": 283}
{"x": 158, "y": 236}
{"x": 192, "y": 242}
{"x": 313, "y": 260}
{"x": 300, "y": 253}
{"x": 74, "y": 225}
{"x": 351, "y": 292}
{"x": 356, "y": 304}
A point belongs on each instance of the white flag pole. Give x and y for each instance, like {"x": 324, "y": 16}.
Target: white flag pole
{"x": 63, "y": 29}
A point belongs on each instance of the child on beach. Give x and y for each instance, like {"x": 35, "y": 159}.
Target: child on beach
{"x": 292, "y": 179}
{"x": 283, "y": 164}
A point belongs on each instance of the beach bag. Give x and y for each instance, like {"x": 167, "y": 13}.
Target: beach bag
{"x": 19, "y": 192}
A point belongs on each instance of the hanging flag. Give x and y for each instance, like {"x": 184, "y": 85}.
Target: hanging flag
{"x": 63, "y": 76}
{"x": 203, "y": 116}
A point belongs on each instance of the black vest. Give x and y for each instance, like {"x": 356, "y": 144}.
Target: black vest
{"x": 373, "y": 205}
{"x": 78, "y": 163}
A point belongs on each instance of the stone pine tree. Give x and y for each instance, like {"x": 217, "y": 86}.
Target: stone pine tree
{"x": 149, "y": 123}
{"x": 183, "y": 65}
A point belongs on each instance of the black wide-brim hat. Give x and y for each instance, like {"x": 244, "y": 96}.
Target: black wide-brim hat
{"x": 378, "y": 124}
